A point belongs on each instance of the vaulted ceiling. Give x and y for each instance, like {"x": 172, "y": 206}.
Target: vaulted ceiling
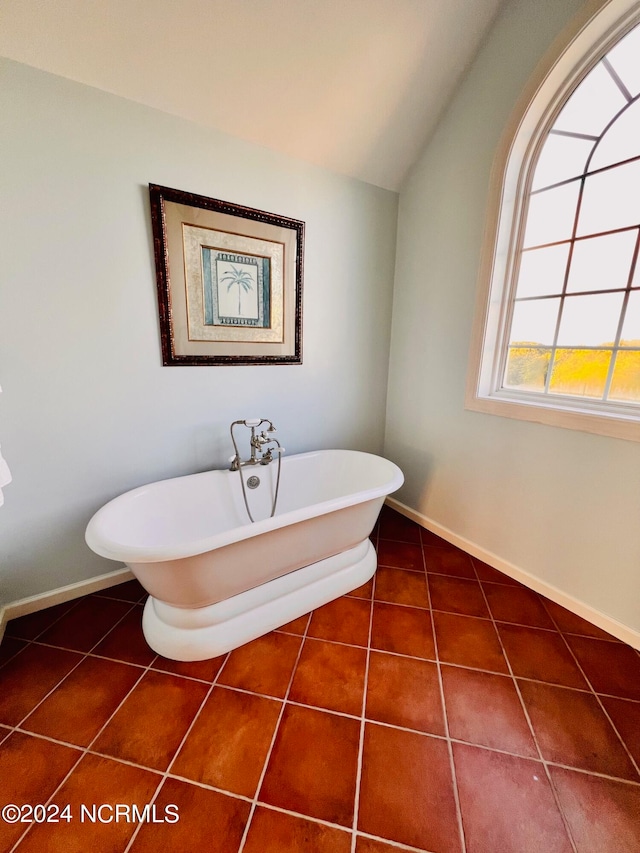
{"x": 355, "y": 86}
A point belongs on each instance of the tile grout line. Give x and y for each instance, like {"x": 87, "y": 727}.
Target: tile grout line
{"x": 52, "y": 623}
{"x": 103, "y": 594}
{"x": 299, "y": 815}
{"x": 555, "y": 630}
{"x": 84, "y": 656}
{"x": 18, "y": 726}
{"x": 87, "y": 750}
{"x": 554, "y": 792}
{"x": 447, "y": 738}
{"x": 27, "y": 643}
{"x": 448, "y": 546}
{"x": 22, "y": 837}
{"x": 144, "y": 668}
{"x": 552, "y": 631}
{"x": 83, "y": 750}
{"x": 518, "y": 755}
{"x": 66, "y": 613}
{"x": 115, "y": 625}
{"x": 378, "y": 601}
{"x": 634, "y": 763}
{"x": 221, "y": 791}
{"x": 425, "y": 572}
{"x": 397, "y": 845}
{"x": 360, "y": 758}
{"x": 166, "y": 772}
{"x": 185, "y": 780}
{"x": 381, "y": 723}
{"x": 276, "y": 729}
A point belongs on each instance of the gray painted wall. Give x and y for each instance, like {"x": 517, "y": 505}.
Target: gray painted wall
{"x": 559, "y": 504}
{"x": 88, "y": 411}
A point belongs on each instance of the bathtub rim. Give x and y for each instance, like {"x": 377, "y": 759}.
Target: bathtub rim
{"x": 106, "y": 547}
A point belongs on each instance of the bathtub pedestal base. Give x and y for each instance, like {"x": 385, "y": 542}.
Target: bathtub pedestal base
{"x": 199, "y": 633}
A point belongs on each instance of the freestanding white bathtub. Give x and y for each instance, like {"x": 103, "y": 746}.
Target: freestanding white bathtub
{"x": 215, "y": 579}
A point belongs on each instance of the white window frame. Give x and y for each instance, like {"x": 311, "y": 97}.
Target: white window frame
{"x": 591, "y": 35}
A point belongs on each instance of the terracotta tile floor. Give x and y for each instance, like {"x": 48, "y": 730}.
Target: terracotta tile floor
{"x": 440, "y": 707}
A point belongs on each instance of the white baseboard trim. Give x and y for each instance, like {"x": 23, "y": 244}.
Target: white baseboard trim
{"x": 24, "y": 606}
{"x": 596, "y": 617}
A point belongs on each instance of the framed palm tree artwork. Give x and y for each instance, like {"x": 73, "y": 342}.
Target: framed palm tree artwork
{"x": 229, "y": 281}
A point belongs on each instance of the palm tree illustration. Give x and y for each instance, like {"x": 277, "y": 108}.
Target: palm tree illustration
{"x": 242, "y": 279}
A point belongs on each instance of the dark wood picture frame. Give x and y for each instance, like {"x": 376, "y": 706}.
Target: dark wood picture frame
{"x": 212, "y": 255}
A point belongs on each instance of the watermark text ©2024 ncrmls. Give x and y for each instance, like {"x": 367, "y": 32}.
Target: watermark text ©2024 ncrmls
{"x": 90, "y": 813}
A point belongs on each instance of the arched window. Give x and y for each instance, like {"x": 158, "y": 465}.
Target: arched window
{"x": 561, "y": 323}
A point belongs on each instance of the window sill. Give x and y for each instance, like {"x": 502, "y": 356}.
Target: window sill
{"x": 567, "y": 414}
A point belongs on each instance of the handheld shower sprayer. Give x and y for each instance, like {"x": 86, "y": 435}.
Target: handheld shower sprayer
{"x": 261, "y": 454}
